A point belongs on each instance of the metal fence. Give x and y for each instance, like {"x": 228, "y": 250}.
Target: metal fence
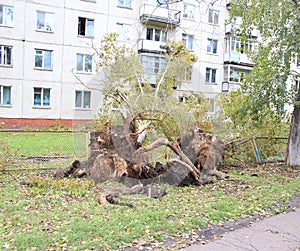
{"x": 41, "y": 147}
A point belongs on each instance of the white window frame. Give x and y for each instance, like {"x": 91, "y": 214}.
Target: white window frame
{"x": 212, "y": 46}
{"x": 212, "y": 78}
{"x": 2, "y": 95}
{"x": 189, "y": 11}
{"x": 48, "y": 21}
{"x": 212, "y": 105}
{"x": 82, "y": 104}
{"x": 123, "y": 31}
{"x": 188, "y": 74}
{"x": 39, "y": 97}
{"x": 213, "y": 16}
{"x": 6, "y": 55}
{"x": 125, "y": 3}
{"x": 235, "y": 44}
{"x": 85, "y": 63}
{"x": 43, "y": 54}
{"x": 88, "y": 30}
{"x": 162, "y": 35}
{"x": 7, "y": 15}
{"x": 188, "y": 40}
{"x": 153, "y": 65}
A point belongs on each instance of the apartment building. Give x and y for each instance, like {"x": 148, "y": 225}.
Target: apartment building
{"x": 48, "y": 60}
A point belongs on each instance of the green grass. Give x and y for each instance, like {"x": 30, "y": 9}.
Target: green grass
{"x": 65, "y": 215}
{"x": 45, "y": 143}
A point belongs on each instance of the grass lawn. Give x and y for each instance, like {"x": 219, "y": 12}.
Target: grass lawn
{"x": 45, "y": 143}
{"x": 64, "y": 214}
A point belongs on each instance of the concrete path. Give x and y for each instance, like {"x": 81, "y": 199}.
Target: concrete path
{"x": 277, "y": 233}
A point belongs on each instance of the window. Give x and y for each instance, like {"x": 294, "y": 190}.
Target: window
{"x": 84, "y": 63}
{"x": 5, "y": 95}
{"x": 85, "y": 27}
{"x": 82, "y": 99}
{"x": 123, "y": 31}
{"x": 188, "y": 40}
{"x": 236, "y": 75}
{"x": 41, "y": 97}
{"x": 43, "y": 59}
{"x": 188, "y": 74}
{"x": 156, "y": 35}
{"x": 235, "y": 44}
{"x": 153, "y": 65}
{"x": 44, "y": 21}
{"x": 189, "y": 11}
{"x": 210, "y": 75}
{"x": 212, "y": 46}
{"x": 124, "y": 3}
{"x": 213, "y": 16}
{"x": 211, "y": 102}
{"x": 6, "y": 15}
{"x": 5, "y": 55}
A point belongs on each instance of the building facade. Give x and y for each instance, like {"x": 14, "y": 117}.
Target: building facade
{"x": 48, "y": 52}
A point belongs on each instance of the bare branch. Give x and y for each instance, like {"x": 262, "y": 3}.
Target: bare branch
{"x": 81, "y": 82}
{"x": 164, "y": 142}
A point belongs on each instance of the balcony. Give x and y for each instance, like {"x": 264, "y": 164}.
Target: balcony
{"x": 234, "y": 29}
{"x": 159, "y": 16}
{"x": 151, "y": 46}
{"x": 237, "y": 57}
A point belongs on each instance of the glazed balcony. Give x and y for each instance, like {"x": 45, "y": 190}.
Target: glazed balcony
{"x": 159, "y": 16}
{"x": 151, "y": 46}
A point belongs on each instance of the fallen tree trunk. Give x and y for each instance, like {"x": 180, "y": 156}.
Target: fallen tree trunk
{"x": 109, "y": 197}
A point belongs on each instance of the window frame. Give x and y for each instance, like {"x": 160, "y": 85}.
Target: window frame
{"x": 187, "y": 7}
{"x": 82, "y": 99}
{"x": 125, "y": 4}
{"x": 212, "y": 46}
{"x": 212, "y": 105}
{"x": 45, "y": 15}
{"x": 212, "y": 16}
{"x": 163, "y": 35}
{"x": 84, "y": 33}
{"x": 153, "y": 65}
{"x": 40, "y": 92}
{"x": 84, "y": 67}
{"x": 43, "y": 67}
{"x": 188, "y": 40}
{"x": 188, "y": 74}
{"x": 2, "y": 95}
{"x": 4, "y": 55}
{"x": 5, "y": 14}
{"x": 124, "y": 34}
{"x": 212, "y": 78}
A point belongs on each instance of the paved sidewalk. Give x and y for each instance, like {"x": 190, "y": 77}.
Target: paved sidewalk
{"x": 277, "y": 233}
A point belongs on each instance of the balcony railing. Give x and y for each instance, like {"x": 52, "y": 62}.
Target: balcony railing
{"x": 151, "y": 46}
{"x": 230, "y": 86}
{"x": 234, "y": 29}
{"x": 158, "y": 15}
{"x": 237, "y": 57}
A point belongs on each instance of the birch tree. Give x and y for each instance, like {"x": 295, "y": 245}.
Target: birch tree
{"x": 274, "y": 81}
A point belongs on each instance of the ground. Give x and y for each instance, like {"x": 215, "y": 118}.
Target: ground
{"x": 45, "y": 214}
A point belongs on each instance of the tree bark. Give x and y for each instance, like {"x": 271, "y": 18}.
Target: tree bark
{"x": 293, "y": 158}
{"x": 293, "y": 149}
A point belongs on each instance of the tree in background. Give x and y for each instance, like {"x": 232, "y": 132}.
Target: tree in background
{"x": 273, "y": 82}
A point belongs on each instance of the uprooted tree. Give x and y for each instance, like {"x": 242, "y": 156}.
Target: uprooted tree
{"x": 142, "y": 132}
